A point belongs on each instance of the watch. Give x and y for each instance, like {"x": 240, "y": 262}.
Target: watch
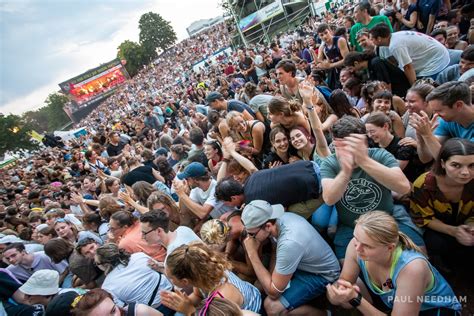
{"x": 356, "y": 301}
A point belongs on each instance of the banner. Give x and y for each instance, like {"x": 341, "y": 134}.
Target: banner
{"x": 36, "y": 136}
{"x": 261, "y": 15}
{"x": 67, "y": 135}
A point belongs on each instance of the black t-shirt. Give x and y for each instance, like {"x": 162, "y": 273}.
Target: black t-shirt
{"x": 236, "y": 105}
{"x": 8, "y": 286}
{"x": 405, "y": 153}
{"x": 286, "y": 185}
{"x": 142, "y": 173}
{"x": 271, "y": 158}
{"x": 246, "y": 64}
{"x": 113, "y": 150}
{"x": 383, "y": 70}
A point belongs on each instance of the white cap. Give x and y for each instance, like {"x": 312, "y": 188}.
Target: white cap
{"x": 258, "y": 212}
{"x": 42, "y": 282}
{"x": 8, "y": 239}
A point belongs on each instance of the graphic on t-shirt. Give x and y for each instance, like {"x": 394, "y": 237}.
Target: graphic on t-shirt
{"x": 361, "y": 196}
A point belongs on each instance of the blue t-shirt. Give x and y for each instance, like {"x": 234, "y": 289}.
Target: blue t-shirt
{"x": 236, "y": 105}
{"x": 454, "y": 129}
{"x": 426, "y": 8}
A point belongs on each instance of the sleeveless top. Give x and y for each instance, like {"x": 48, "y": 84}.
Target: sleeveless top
{"x": 251, "y": 295}
{"x": 438, "y": 294}
{"x": 332, "y": 53}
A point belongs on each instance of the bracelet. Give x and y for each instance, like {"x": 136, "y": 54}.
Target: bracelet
{"x": 310, "y": 108}
{"x": 227, "y": 160}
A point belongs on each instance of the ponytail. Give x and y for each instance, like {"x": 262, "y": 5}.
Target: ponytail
{"x": 407, "y": 243}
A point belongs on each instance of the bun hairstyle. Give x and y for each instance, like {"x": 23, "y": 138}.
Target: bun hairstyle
{"x": 196, "y": 262}
{"x": 110, "y": 256}
{"x": 214, "y": 232}
{"x": 282, "y": 105}
{"x": 180, "y": 150}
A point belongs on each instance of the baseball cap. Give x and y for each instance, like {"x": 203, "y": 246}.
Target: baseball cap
{"x": 42, "y": 282}
{"x": 9, "y": 239}
{"x": 41, "y": 226}
{"x": 258, "y": 212}
{"x": 193, "y": 170}
{"x": 61, "y": 305}
{"x": 161, "y": 152}
{"x": 213, "y": 96}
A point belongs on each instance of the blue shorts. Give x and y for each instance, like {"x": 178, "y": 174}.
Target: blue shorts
{"x": 304, "y": 287}
{"x": 344, "y": 235}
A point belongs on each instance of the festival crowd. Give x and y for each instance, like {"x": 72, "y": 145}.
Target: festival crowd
{"x": 327, "y": 172}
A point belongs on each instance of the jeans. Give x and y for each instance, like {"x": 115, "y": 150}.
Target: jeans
{"x": 324, "y": 217}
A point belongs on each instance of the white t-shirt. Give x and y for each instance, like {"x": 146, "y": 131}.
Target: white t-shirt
{"x": 427, "y": 55}
{"x": 208, "y": 197}
{"x": 184, "y": 236}
{"x": 260, "y": 71}
{"x": 136, "y": 281}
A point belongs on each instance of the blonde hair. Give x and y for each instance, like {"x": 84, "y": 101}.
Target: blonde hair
{"x": 214, "y": 232}
{"x": 231, "y": 116}
{"x": 203, "y": 267}
{"x": 382, "y": 228}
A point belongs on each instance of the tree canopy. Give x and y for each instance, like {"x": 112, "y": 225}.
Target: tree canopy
{"x": 155, "y": 33}
{"x": 134, "y": 54}
{"x": 49, "y": 117}
{"x": 14, "y": 134}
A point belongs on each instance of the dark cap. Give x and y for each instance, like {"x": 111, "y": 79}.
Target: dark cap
{"x": 61, "y": 305}
{"x": 193, "y": 170}
{"x": 213, "y": 96}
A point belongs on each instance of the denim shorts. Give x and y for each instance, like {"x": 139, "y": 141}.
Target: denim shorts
{"x": 304, "y": 287}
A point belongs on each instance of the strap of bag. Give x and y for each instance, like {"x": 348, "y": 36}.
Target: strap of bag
{"x": 152, "y": 298}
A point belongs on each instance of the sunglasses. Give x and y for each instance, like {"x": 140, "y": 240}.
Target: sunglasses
{"x": 253, "y": 235}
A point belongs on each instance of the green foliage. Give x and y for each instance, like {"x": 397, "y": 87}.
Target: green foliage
{"x": 14, "y": 134}
{"x": 50, "y": 117}
{"x": 57, "y": 118}
{"x": 155, "y": 33}
{"x": 134, "y": 54}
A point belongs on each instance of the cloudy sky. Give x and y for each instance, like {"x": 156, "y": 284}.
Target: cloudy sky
{"x": 44, "y": 42}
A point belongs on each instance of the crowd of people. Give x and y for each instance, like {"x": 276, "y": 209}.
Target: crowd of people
{"x": 328, "y": 171}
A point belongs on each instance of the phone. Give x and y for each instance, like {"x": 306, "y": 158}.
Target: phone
{"x": 244, "y": 143}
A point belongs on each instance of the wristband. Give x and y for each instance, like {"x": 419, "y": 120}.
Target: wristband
{"x": 226, "y": 160}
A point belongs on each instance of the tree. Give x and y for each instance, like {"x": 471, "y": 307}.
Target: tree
{"x": 14, "y": 134}
{"x": 134, "y": 54}
{"x": 49, "y": 117}
{"x": 54, "y": 109}
{"x": 155, "y": 33}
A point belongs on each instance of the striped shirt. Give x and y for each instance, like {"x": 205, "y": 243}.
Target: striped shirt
{"x": 252, "y": 298}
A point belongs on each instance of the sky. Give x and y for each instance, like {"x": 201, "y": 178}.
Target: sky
{"x": 45, "y": 42}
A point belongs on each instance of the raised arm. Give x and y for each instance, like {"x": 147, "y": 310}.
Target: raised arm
{"x": 307, "y": 92}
